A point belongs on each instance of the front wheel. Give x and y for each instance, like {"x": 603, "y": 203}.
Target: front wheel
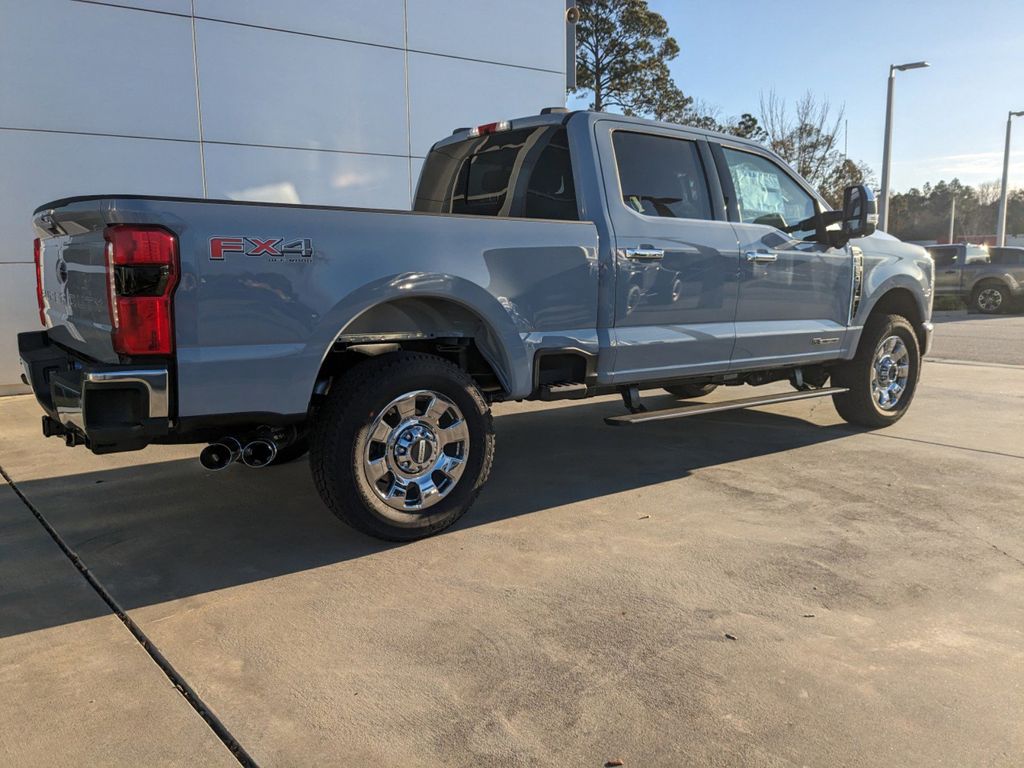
{"x": 882, "y": 377}
{"x": 402, "y": 445}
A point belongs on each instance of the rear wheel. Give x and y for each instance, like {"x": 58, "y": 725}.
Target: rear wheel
{"x": 990, "y": 299}
{"x": 686, "y": 391}
{"x": 402, "y": 446}
{"x": 882, "y": 377}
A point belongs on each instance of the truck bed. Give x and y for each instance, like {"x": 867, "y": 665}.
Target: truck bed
{"x": 266, "y": 289}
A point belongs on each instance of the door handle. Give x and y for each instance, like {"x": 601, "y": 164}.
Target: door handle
{"x": 645, "y": 254}
{"x": 761, "y": 257}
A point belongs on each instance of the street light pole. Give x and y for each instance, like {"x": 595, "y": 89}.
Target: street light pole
{"x": 883, "y": 202}
{"x": 1005, "y": 188}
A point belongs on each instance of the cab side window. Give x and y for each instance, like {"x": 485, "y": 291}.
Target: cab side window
{"x": 766, "y": 194}
{"x": 943, "y": 257}
{"x": 661, "y": 176}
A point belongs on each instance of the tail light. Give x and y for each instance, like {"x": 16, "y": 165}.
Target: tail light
{"x": 37, "y": 255}
{"x": 142, "y": 272}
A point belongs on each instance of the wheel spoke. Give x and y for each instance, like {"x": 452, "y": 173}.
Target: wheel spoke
{"x": 380, "y": 432}
{"x": 376, "y": 469}
{"x": 454, "y": 433}
{"x": 406, "y": 407}
{"x": 429, "y": 492}
{"x": 451, "y": 466}
{"x": 435, "y": 410}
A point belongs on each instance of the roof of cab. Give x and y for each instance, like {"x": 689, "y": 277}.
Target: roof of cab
{"x": 556, "y": 118}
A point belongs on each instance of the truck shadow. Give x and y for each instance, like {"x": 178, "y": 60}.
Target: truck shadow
{"x": 168, "y": 530}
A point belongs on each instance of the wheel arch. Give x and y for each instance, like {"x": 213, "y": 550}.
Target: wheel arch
{"x": 899, "y": 299}
{"x": 472, "y": 330}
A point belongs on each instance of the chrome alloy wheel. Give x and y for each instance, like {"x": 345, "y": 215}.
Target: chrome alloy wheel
{"x": 415, "y": 450}
{"x": 989, "y": 299}
{"x": 890, "y": 370}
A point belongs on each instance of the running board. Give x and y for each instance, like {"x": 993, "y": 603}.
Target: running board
{"x": 696, "y": 409}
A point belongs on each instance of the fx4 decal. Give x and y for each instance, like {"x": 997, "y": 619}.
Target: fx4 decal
{"x": 272, "y": 248}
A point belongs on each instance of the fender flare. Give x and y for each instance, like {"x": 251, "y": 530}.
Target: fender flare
{"x": 502, "y": 344}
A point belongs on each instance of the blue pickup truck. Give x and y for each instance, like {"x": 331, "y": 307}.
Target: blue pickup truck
{"x": 558, "y": 256}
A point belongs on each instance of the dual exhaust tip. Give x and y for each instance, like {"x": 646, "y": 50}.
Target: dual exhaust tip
{"x": 226, "y": 451}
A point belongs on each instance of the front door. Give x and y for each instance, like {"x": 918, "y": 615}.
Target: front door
{"x": 947, "y": 270}
{"x": 675, "y": 256}
{"x": 794, "y": 293}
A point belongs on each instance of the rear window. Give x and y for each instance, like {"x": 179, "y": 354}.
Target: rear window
{"x": 661, "y": 176}
{"x": 524, "y": 173}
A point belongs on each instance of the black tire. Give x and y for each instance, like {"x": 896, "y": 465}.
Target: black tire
{"x": 291, "y": 452}
{"x": 342, "y": 424}
{"x": 686, "y": 391}
{"x": 860, "y": 405}
{"x": 990, "y": 298}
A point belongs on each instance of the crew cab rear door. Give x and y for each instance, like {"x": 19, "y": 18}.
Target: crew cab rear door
{"x": 675, "y": 257}
{"x": 794, "y": 293}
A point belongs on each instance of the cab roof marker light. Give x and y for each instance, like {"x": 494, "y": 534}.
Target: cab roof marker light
{"x": 486, "y": 128}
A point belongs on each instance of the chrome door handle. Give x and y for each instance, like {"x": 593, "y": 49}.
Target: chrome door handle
{"x": 645, "y": 254}
{"x": 761, "y": 257}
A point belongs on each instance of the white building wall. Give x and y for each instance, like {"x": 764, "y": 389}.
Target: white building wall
{"x": 306, "y": 101}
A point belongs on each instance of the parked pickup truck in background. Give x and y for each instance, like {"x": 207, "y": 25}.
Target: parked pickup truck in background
{"x": 987, "y": 279}
{"x": 559, "y": 256}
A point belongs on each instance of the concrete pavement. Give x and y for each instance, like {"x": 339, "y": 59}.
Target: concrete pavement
{"x": 979, "y": 338}
{"x": 767, "y": 587}
{"x": 77, "y": 688}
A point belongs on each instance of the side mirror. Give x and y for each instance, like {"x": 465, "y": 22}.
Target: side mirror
{"x": 860, "y": 211}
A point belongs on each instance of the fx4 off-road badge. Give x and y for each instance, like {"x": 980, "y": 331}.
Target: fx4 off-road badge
{"x": 270, "y": 248}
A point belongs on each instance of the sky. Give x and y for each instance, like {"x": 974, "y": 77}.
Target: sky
{"x": 949, "y": 120}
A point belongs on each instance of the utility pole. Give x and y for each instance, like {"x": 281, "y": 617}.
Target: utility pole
{"x": 952, "y": 218}
{"x": 883, "y": 201}
{"x": 1005, "y": 188}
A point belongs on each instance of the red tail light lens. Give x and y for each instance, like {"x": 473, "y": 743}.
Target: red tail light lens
{"x": 142, "y": 272}
{"x": 37, "y": 255}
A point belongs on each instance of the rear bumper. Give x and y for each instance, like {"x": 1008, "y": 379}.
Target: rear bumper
{"x": 109, "y": 408}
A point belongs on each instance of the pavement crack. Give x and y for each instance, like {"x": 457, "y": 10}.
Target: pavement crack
{"x": 176, "y": 679}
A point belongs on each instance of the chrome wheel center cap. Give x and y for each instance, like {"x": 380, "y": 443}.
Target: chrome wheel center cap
{"x": 415, "y": 449}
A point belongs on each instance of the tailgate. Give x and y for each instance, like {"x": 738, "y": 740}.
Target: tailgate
{"x": 72, "y": 275}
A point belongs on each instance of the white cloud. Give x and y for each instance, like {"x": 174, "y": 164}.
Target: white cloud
{"x": 970, "y": 168}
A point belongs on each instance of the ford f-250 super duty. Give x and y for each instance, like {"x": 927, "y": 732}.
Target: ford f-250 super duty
{"x": 558, "y": 256}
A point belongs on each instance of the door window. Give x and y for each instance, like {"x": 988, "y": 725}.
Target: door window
{"x": 943, "y": 257}
{"x": 766, "y": 194}
{"x": 661, "y": 176}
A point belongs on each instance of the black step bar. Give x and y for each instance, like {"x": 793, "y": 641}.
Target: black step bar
{"x": 696, "y": 409}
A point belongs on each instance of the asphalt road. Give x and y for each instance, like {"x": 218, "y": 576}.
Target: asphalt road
{"x": 768, "y": 587}
{"x": 981, "y": 338}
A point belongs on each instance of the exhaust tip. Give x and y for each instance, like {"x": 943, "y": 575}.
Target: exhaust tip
{"x": 259, "y": 453}
{"x": 219, "y": 455}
